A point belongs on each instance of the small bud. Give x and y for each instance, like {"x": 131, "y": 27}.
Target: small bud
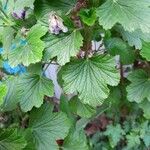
{"x": 56, "y": 24}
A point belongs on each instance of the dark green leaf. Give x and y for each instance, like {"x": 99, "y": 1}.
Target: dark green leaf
{"x": 10, "y": 139}
{"x": 90, "y": 77}
{"x": 116, "y": 46}
{"x": 47, "y": 127}
{"x": 32, "y": 50}
{"x": 138, "y": 90}
{"x": 63, "y": 47}
{"x": 131, "y": 14}
{"x": 33, "y": 89}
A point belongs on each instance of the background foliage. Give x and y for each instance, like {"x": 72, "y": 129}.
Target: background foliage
{"x": 102, "y": 49}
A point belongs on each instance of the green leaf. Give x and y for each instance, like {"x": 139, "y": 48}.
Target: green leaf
{"x": 32, "y": 49}
{"x": 29, "y": 138}
{"x": 88, "y": 16}
{"x": 63, "y": 47}
{"x": 116, "y": 46}
{"x": 10, "y": 139}
{"x": 90, "y": 77}
{"x": 133, "y": 140}
{"x": 115, "y": 134}
{"x": 64, "y": 105}
{"x": 145, "y": 52}
{"x": 33, "y": 88}
{"x": 138, "y": 90}
{"x": 3, "y": 91}
{"x": 145, "y": 106}
{"x": 21, "y": 4}
{"x": 13, "y": 95}
{"x": 47, "y": 127}
{"x": 7, "y": 38}
{"x": 134, "y": 38}
{"x": 131, "y": 15}
{"x": 35, "y": 68}
{"x": 76, "y": 138}
{"x": 8, "y": 6}
{"x": 83, "y": 110}
{"x": 43, "y": 7}
{"x": 146, "y": 134}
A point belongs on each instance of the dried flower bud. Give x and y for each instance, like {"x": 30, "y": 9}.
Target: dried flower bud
{"x": 56, "y": 24}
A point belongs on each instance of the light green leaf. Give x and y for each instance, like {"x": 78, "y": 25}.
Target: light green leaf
{"x": 32, "y": 49}
{"x": 90, "y": 77}
{"x": 145, "y": 133}
{"x": 138, "y": 90}
{"x": 21, "y": 4}
{"x": 133, "y": 140}
{"x": 13, "y": 95}
{"x": 145, "y": 106}
{"x": 115, "y": 134}
{"x": 33, "y": 88}
{"x": 145, "y": 52}
{"x": 63, "y": 47}
{"x": 83, "y": 110}
{"x": 47, "y": 127}
{"x": 88, "y": 16}
{"x": 8, "y": 6}
{"x": 7, "y": 38}
{"x": 131, "y": 14}
{"x": 134, "y": 38}
{"x": 10, "y": 139}
{"x": 43, "y": 7}
{"x": 3, "y": 91}
{"x": 116, "y": 46}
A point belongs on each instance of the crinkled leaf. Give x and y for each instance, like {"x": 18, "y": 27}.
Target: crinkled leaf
{"x": 47, "y": 127}
{"x": 145, "y": 106}
{"x": 13, "y": 95}
{"x": 134, "y": 38}
{"x": 133, "y": 140}
{"x": 43, "y": 7}
{"x": 116, "y": 46}
{"x": 90, "y": 77}
{"x": 63, "y": 47}
{"x": 10, "y": 139}
{"x": 3, "y": 91}
{"x": 115, "y": 134}
{"x": 21, "y": 4}
{"x": 145, "y": 52}
{"x": 138, "y": 90}
{"x": 7, "y": 38}
{"x": 31, "y": 50}
{"x": 33, "y": 87}
{"x": 131, "y": 14}
{"x": 76, "y": 140}
{"x": 145, "y": 132}
{"x": 7, "y": 6}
